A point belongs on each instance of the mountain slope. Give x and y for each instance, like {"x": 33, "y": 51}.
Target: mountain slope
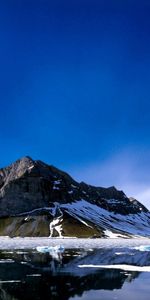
{"x": 40, "y": 200}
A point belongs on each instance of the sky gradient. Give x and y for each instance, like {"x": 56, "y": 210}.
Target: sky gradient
{"x": 75, "y": 89}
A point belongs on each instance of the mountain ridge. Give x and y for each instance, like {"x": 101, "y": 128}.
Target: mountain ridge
{"x": 33, "y": 188}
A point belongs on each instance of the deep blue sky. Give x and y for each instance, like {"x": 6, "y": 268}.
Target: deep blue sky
{"x": 75, "y": 88}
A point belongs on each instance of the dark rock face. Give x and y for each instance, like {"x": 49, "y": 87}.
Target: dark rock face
{"x": 27, "y": 185}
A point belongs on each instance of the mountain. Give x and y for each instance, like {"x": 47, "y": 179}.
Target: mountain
{"x": 40, "y": 200}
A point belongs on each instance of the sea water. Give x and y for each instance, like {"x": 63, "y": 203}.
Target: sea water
{"x": 74, "y": 269}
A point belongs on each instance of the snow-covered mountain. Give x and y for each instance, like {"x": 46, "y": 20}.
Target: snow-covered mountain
{"x": 40, "y": 200}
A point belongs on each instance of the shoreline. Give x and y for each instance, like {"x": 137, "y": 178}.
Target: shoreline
{"x": 7, "y": 243}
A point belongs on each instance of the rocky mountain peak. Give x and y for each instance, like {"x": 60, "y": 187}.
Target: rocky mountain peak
{"x": 29, "y": 184}
{"x": 36, "y": 197}
{"x": 16, "y": 170}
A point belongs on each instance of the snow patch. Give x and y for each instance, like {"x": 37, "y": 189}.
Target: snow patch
{"x": 31, "y": 167}
{"x": 56, "y": 224}
{"x": 56, "y": 182}
{"x": 112, "y": 235}
{"x": 121, "y": 267}
{"x": 74, "y": 186}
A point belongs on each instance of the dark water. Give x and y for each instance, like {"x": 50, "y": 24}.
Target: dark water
{"x": 28, "y": 274}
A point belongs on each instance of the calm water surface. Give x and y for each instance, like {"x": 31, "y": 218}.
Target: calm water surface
{"x": 75, "y": 273}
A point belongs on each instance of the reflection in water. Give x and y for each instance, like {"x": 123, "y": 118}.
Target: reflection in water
{"x": 34, "y": 275}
